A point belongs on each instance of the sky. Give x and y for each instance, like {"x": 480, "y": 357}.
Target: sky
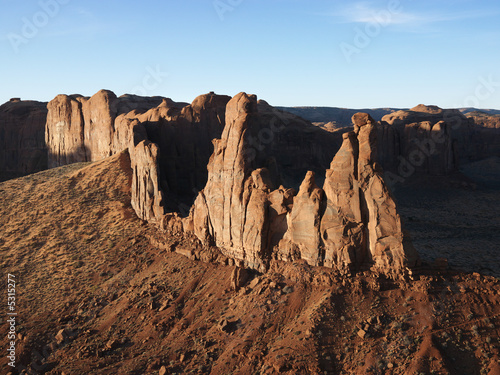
{"x": 353, "y": 54}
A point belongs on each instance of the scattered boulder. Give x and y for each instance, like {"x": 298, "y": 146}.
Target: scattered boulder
{"x": 62, "y": 336}
{"x": 239, "y": 277}
{"x": 362, "y": 333}
{"x": 112, "y": 344}
{"x": 228, "y": 325}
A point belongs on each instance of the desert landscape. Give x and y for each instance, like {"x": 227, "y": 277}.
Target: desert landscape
{"x": 234, "y": 187}
{"x": 142, "y": 246}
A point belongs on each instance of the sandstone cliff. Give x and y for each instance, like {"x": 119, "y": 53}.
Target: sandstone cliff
{"x": 22, "y": 144}
{"x": 248, "y": 176}
{"x": 172, "y": 142}
{"x": 349, "y": 224}
{"x": 64, "y": 133}
{"x": 434, "y": 141}
{"x": 425, "y": 139}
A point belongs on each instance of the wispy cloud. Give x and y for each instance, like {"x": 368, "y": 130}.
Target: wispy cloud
{"x": 368, "y": 12}
{"x": 85, "y": 13}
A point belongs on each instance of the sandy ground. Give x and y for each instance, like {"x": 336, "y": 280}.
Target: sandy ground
{"x": 456, "y": 218}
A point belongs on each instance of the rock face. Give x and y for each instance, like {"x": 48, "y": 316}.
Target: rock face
{"x": 80, "y": 129}
{"x": 22, "y": 139}
{"x": 87, "y": 129}
{"x": 485, "y": 120}
{"x": 232, "y": 191}
{"x": 350, "y": 223}
{"x": 424, "y": 140}
{"x": 64, "y": 134}
{"x": 353, "y": 221}
{"x": 485, "y": 136}
{"x": 147, "y": 197}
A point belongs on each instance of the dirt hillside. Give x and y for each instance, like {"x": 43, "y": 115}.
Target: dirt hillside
{"x": 100, "y": 292}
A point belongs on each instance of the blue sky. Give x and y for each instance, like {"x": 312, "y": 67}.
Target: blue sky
{"x": 391, "y": 53}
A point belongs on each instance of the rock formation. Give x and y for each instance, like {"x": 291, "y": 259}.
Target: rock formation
{"x": 485, "y": 120}
{"x": 243, "y": 207}
{"x": 80, "y": 129}
{"x": 88, "y": 129}
{"x": 485, "y": 136}
{"x": 147, "y": 197}
{"x": 353, "y": 221}
{"x": 266, "y": 184}
{"x": 425, "y": 139}
{"x": 231, "y": 211}
{"x": 22, "y": 139}
{"x": 350, "y": 223}
{"x": 64, "y": 134}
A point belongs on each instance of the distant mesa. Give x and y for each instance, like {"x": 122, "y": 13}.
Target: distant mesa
{"x": 427, "y": 109}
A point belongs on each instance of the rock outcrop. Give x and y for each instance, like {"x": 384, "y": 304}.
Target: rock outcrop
{"x": 353, "y": 221}
{"x": 242, "y": 205}
{"x": 425, "y": 139}
{"x": 87, "y": 129}
{"x": 147, "y": 197}
{"x": 433, "y": 141}
{"x": 22, "y": 139}
{"x": 349, "y": 224}
{"x": 484, "y": 120}
{"x": 231, "y": 211}
{"x": 64, "y": 133}
{"x": 80, "y": 129}
{"x": 485, "y": 136}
